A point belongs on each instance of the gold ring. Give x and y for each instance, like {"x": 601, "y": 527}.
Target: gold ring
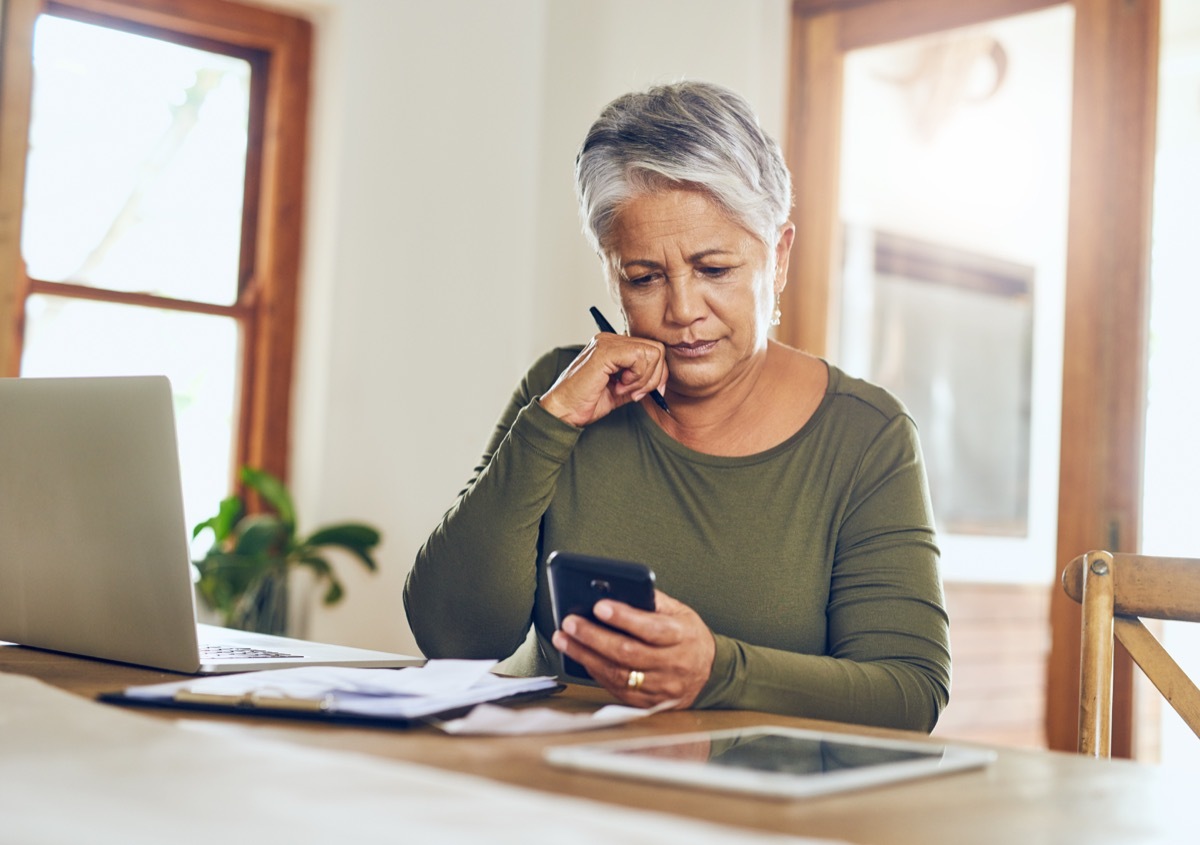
{"x": 636, "y": 679}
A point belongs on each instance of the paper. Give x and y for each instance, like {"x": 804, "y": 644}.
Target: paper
{"x": 439, "y": 686}
{"x": 412, "y": 693}
{"x": 490, "y": 720}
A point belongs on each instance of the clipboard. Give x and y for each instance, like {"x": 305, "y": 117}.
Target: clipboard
{"x": 305, "y": 709}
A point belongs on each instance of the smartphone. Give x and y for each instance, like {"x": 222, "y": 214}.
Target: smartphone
{"x": 578, "y": 581}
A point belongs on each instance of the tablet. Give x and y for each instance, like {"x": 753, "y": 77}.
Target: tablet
{"x": 771, "y": 761}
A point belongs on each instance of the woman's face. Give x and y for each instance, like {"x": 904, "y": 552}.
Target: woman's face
{"x": 699, "y": 283}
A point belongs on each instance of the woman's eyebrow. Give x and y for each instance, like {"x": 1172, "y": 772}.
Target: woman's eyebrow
{"x": 641, "y": 262}
{"x": 708, "y": 253}
{"x": 692, "y": 259}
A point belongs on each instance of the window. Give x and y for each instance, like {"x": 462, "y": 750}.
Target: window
{"x": 163, "y": 148}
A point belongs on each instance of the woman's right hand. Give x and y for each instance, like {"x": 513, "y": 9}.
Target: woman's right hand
{"x": 611, "y": 371}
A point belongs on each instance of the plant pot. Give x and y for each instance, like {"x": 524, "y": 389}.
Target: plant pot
{"x": 264, "y": 607}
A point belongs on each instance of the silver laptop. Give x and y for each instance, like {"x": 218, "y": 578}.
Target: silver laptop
{"x": 94, "y": 556}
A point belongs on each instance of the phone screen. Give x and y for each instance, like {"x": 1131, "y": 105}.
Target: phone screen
{"x": 578, "y": 581}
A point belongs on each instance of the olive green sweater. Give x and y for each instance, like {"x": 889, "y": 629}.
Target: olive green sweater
{"x": 813, "y": 563}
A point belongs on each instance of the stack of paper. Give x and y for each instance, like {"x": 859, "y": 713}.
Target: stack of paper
{"x": 438, "y": 687}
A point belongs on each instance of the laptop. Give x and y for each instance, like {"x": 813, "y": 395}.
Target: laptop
{"x": 94, "y": 549}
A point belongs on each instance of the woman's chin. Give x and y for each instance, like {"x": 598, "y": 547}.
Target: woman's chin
{"x": 698, "y": 378}
{"x": 694, "y": 382}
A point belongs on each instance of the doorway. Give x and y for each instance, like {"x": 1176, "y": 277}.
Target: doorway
{"x": 972, "y": 196}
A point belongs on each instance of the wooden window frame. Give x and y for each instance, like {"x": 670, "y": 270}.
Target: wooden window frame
{"x": 1107, "y": 275}
{"x": 280, "y": 48}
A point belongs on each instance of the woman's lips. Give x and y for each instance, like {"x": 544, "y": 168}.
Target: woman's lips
{"x": 693, "y": 350}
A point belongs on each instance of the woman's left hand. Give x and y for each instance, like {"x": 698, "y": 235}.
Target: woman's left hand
{"x": 652, "y": 657}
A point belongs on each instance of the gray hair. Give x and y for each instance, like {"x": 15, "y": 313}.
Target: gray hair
{"x": 692, "y": 135}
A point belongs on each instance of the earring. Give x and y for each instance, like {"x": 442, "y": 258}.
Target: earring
{"x": 777, "y": 314}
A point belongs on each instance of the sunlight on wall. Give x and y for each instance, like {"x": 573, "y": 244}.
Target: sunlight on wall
{"x": 1171, "y": 500}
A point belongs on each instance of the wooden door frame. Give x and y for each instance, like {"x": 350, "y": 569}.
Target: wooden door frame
{"x": 1107, "y": 272}
{"x": 1105, "y": 339}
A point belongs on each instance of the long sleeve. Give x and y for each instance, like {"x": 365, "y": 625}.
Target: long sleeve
{"x": 887, "y": 660}
{"x": 813, "y": 563}
{"x": 470, "y": 593}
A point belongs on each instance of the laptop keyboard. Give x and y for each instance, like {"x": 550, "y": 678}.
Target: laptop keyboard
{"x": 226, "y": 652}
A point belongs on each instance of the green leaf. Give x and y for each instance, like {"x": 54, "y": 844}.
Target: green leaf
{"x": 324, "y": 572}
{"x": 272, "y": 491}
{"x": 347, "y": 534}
{"x": 334, "y": 594}
{"x": 222, "y": 524}
{"x": 225, "y": 578}
{"x": 360, "y": 553}
{"x": 317, "y": 564}
{"x": 354, "y": 537}
{"x": 262, "y": 534}
{"x": 367, "y": 560}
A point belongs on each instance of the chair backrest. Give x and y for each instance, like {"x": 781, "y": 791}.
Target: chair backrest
{"x": 1115, "y": 590}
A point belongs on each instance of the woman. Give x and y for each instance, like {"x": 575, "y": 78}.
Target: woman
{"x": 781, "y": 503}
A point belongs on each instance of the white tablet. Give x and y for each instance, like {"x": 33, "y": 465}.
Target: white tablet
{"x": 771, "y": 761}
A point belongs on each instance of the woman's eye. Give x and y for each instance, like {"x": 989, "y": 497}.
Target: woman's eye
{"x": 642, "y": 281}
{"x": 714, "y": 272}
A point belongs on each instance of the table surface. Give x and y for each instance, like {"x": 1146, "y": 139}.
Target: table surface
{"x": 1024, "y": 797}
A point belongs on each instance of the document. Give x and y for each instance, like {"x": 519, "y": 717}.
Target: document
{"x": 491, "y": 720}
{"x": 438, "y": 687}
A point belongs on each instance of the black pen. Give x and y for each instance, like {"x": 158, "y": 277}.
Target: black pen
{"x": 606, "y": 326}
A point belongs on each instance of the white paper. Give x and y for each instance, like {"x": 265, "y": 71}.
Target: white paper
{"x": 311, "y": 682}
{"x": 415, "y": 692}
{"x": 490, "y": 720}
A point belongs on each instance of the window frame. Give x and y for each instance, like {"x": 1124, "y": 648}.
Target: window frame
{"x": 279, "y": 47}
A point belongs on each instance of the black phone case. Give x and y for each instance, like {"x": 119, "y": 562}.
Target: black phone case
{"x": 578, "y": 581}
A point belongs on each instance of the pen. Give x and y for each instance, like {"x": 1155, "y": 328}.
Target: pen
{"x": 253, "y": 699}
{"x": 606, "y": 326}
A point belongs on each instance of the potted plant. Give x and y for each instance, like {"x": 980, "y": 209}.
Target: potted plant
{"x": 244, "y": 575}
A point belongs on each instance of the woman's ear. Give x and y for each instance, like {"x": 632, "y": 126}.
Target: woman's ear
{"x": 783, "y": 251}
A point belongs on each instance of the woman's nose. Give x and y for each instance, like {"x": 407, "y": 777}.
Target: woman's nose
{"x": 684, "y": 302}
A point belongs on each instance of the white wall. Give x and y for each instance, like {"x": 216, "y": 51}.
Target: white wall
{"x": 443, "y": 250}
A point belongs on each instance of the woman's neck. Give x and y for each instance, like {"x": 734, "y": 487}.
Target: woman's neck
{"x": 766, "y": 405}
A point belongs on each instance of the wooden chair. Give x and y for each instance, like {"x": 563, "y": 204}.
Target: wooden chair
{"x": 1114, "y": 590}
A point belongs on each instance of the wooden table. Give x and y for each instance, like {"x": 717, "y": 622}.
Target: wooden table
{"x": 1025, "y": 797}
